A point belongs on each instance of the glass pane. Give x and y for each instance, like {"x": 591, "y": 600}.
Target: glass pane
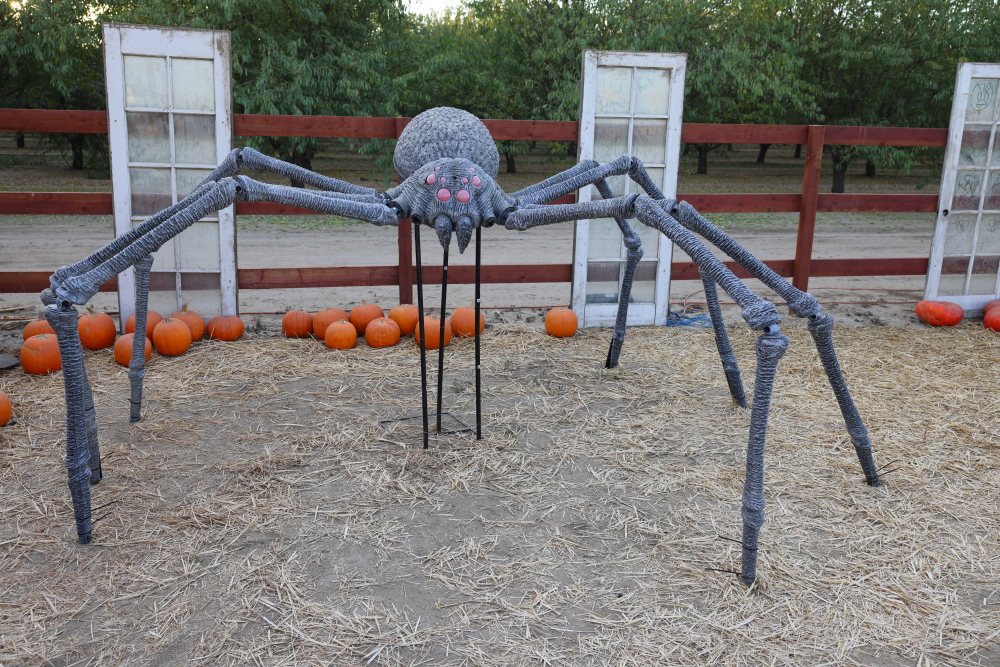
{"x": 958, "y": 238}
{"x": 975, "y": 141}
{"x": 953, "y": 271}
{"x": 650, "y": 239}
{"x": 616, "y": 183}
{"x": 988, "y": 240}
{"x": 202, "y": 293}
{"x": 164, "y": 257}
{"x": 605, "y": 239}
{"x": 602, "y": 282}
{"x": 649, "y": 140}
{"x": 982, "y": 101}
{"x": 652, "y": 91}
{"x": 188, "y": 180}
{"x": 995, "y": 160}
{"x": 194, "y": 84}
{"x": 614, "y": 90}
{"x": 194, "y": 139}
{"x": 984, "y": 275}
{"x": 992, "y": 199}
{"x": 644, "y": 283}
{"x": 610, "y": 138}
{"x": 145, "y": 82}
{"x": 968, "y": 185}
{"x": 199, "y": 246}
{"x": 163, "y": 293}
{"x": 150, "y": 190}
{"x": 148, "y": 137}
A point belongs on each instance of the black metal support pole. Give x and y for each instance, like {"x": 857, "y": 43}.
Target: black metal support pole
{"x": 444, "y": 300}
{"x": 479, "y": 399}
{"x": 423, "y": 334}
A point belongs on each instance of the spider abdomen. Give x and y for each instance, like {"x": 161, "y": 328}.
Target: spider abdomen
{"x": 445, "y": 132}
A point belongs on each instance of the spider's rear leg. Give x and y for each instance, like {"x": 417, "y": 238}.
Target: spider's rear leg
{"x": 729, "y": 363}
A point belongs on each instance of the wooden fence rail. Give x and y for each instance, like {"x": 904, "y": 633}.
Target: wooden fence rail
{"x": 807, "y": 204}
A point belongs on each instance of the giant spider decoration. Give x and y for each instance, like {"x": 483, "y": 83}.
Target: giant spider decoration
{"x": 449, "y": 162}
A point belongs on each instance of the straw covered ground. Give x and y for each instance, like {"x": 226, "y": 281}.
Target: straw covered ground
{"x": 259, "y": 515}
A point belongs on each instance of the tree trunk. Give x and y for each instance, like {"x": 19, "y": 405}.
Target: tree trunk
{"x": 798, "y": 150}
{"x": 303, "y": 160}
{"x": 76, "y": 143}
{"x": 839, "y": 174}
{"x": 702, "y": 158}
{"x": 19, "y": 139}
{"x": 762, "y": 153}
{"x": 571, "y": 149}
{"x": 511, "y": 165}
{"x": 870, "y": 169}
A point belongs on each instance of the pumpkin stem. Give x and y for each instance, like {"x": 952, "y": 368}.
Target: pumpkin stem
{"x": 91, "y": 311}
{"x": 184, "y": 309}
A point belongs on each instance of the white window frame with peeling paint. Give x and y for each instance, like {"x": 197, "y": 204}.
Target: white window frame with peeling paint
{"x": 965, "y": 250}
{"x": 170, "y": 123}
{"x": 629, "y": 103}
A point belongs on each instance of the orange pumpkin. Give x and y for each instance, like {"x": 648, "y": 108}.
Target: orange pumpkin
{"x": 406, "y": 316}
{"x": 561, "y": 322}
{"x": 152, "y": 319}
{"x": 325, "y": 318}
{"x": 172, "y": 337}
{"x": 297, "y": 324}
{"x": 382, "y": 332}
{"x": 462, "y": 319}
{"x": 40, "y": 355}
{"x": 123, "y": 349}
{"x": 432, "y": 326}
{"x": 39, "y": 326}
{"x": 5, "y": 409}
{"x": 992, "y": 319}
{"x": 195, "y": 322}
{"x": 341, "y": 335}
{"x": 225, "y": 327}
{"x": 940, "y": 313}
{"x": 995, "y": 303}
{"x": 363, "y": 314}
{"x": 97, "y": 330}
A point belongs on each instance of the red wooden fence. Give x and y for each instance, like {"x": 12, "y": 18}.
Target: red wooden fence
{"x": 806, "y": 204}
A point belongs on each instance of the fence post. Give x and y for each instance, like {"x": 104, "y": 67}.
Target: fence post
{"x": 807, "y": 210}
{"x": 405, "y": 242}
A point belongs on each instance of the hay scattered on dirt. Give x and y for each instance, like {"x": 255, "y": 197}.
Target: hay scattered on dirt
{"x": 260, "y": 516}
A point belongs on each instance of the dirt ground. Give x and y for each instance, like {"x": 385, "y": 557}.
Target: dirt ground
{"x": 45, "y": 243}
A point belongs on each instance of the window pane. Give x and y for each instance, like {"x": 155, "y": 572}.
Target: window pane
{"x": 188, "y": 180}
{"x": 194, "y": 84}
{"x": 164, "y": 257}
{"x": 953, "y": 271}
{"x": 614, "y": 90}
{"x": 605, "y": 239}
{"x": 982, "y": 101}
{"x": 968, "y": 185}
{"x": 995, "y": 160}
{"x": 150, "y": 190}
{"x": 649, "y": 140}
{"x": 984, "y": 275}
{"x": 148, "y": 137}
{"x": 644, "y": 283}
{"x": 202, "y": 293}
{"x": 199, "y": 246}
{"x": 194, "y": 139}
{"x": 992, "y": 199}
{"x": 610, "y": 138}
{"x": 650, "y": 239}
{"x": 163, "y": 292}
{"x": 989, "y": 235}
{"x": 602, "y": 282}
{"x": 652, "y": 91}
{"x": 958, "y": 238}
{"x": 145, "y": 82}
{"x": 975, "y": 141}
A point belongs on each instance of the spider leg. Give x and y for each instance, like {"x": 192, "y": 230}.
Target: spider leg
{"x": 729, "y": 363}
{"x": 803, "y": 304}
{"x": 76, "y": 284}
{"x": 581, "y": 167}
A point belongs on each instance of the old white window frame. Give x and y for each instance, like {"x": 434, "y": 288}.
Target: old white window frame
{"x": 963, "y": 118}
{"x": 639, "y": 313}
{"x": 121, "y": 40}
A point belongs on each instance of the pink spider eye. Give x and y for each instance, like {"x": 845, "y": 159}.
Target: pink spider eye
{"x": 472, "y": 170}
{"x": 476, "y": 181}
{"x": 464, "y": 181}
{"x": 462, "y": 196}
{"x": 437, "y": 168}
{"x": 444, "y": 194}
{"x": 430, "y": 179}
{"x": 442, "y": 180}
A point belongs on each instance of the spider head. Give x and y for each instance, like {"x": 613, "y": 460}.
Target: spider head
{"x": 451, "y": 195}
